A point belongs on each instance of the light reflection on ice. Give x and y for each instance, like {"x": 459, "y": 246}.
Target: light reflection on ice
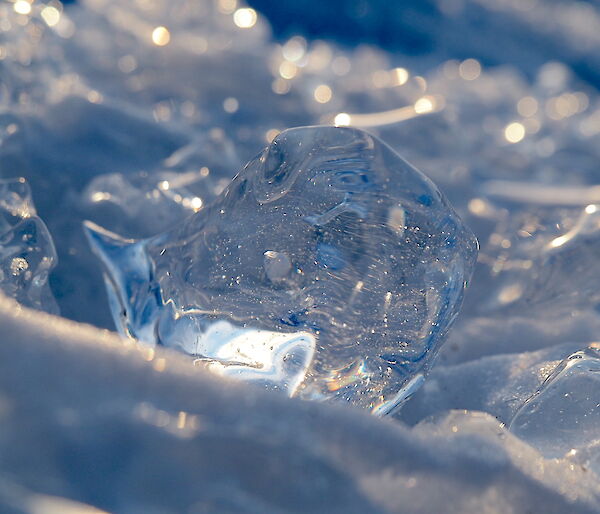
{"x": 276, "y": 359}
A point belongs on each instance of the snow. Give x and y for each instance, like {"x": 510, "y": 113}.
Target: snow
{"x": 129, "y": 429}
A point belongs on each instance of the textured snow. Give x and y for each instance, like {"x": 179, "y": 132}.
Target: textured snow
{"x": 130, "y": 429}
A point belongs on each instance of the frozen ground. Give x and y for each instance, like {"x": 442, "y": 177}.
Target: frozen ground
{"x": 136, "y": 114}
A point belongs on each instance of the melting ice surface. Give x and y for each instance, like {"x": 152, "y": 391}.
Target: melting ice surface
{"x": 329, "y": 268}
{"x": 27, "y": 253}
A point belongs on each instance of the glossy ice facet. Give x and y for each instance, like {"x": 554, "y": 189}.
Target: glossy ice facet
{"x": 27, "y": 253}
{"x": 329, "y": 268}
{"x": 564, "y": 414}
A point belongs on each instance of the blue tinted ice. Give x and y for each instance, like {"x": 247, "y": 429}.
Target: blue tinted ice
{"x": 564, "y": 414}
{"x": 27, "y": 253}
{"x": 329, "y": 268}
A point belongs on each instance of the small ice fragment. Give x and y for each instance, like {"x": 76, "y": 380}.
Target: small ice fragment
{"x": 27, "y": 253}
{"x": 135, "y": 202}
{"x": 328, "y": 246}
{"x": 564, "y": 414}
{"x": 145, "y": 203}
{"x": 548, "y": 263}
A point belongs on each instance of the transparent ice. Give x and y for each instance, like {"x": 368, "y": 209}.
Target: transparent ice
{"x": 328, "y": 268}
{"x": 145, "y": 203}
{"x": 27, "y": 253}
{"x": 564, "y": 414}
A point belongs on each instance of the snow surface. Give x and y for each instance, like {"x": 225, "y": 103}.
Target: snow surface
{"x": 96, "y": 419}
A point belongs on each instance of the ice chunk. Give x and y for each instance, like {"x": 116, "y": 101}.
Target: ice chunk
{"x": 140, "y": 201}
{"x": 27, "y": 253}
{"x": 497, "y": 384}
{"x": 537, "y": 283}
{"x": 549, "y": 265}
{"x": 564, "y": 414}
{"x": 144, "y": 203}
{"x": 327, "y": 243}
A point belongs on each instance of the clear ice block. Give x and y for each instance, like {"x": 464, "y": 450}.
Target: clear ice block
{"x": 329, "y": 268}
{"x": 564, "y": 414}
{"x": 27, "y": 253}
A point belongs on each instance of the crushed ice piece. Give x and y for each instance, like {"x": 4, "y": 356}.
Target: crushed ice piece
{"x": 547, "y": 262}
{"x": 304, "y": 249}
{"x": 496, "y": 384}
{"x": 27, "y": 253}
{"x": 145, "y": 203}
{"x": 142, "y": 202}
{"x": 564, "y": 414}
